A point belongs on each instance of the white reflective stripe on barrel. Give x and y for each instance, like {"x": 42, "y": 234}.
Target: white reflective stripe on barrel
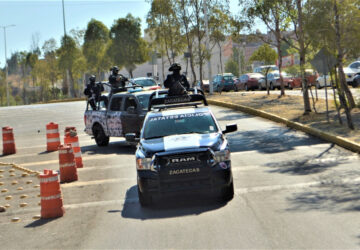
{"x": 64, "y": 151}
{"x": 53, "y": 197}
{"x": 52, "y": 131}
{"x": 7, "y": 132}
{"x": 78, "y": 154}
{"x": 67, "y": 165}
{"x": 8, "y": 142}
{"x": 75, "y": 144}
{"x": 49, "y": 179}
{"x": 53, "y": 139}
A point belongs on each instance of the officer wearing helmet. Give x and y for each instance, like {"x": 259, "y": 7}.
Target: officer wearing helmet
{"x": 93, "y": 91}
{"x": 176, "y": 82}
{"x": 115, "y": 79}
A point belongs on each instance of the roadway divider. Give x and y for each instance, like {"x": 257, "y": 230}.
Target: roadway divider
{"x": 51, "y": 198}
{"x": 72, "y": 139}
{"x": 68, "y": 170}
{"x": 52, "y": 137}
{"x": 8, "y": 141}
{"x": 338, "y": 140}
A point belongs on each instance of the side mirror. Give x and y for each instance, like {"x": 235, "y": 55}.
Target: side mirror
{"x": 131, "y": 137}
{"x": 131, "y": 110}
{"x": 230, "y": 128}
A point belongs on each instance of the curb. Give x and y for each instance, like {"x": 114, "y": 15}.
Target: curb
{"x": 338, "y": 140}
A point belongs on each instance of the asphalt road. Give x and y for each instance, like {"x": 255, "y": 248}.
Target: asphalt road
{"x": 292, "y": 192}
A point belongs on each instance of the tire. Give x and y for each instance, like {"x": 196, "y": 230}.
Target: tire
{"x": 317, "y": 85}
{"x": 246, "y": 87}
{"x": 271, "y": 86}
{"x": 100, "y": 138}
{"x": 236, "y": 89}
{"x": 227, "y": 193}
{"x": 144, "y": 199}
{"x": 289, "y": 86}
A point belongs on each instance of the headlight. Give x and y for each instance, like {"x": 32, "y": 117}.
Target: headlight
{"x": 222, "y": 155}
{"x": 144, "y": 164}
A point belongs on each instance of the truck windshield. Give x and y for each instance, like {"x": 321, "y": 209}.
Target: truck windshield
{"x": 145, "y": 82}
{"x": 201, "y": 123}
{"x": 144, "y": 101}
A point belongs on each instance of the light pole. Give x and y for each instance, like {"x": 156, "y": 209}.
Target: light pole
{"x": 6, "y": 66}
{"x": 207, "y": 46}
{"x": 63, "y": 8}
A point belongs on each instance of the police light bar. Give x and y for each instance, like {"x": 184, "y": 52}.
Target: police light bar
{"x": 186, "y": 100}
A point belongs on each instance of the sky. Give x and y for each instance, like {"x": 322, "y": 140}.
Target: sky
{"x": 43, "y": 19}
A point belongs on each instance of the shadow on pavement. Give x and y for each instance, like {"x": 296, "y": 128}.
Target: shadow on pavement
{"x": 114, "y": 147}
{"x": 229, "y": 115}
{"x": 333, "y": 197}
{"x": 168, "y": 207}
{"x": 45, "y": 152}
{"x": 39, "y": 223}
{"x": 305, "y": 165}
{"x": 274, "y": 140}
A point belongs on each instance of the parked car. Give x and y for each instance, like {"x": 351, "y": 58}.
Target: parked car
{"x": 262, "y": 69}
{"x": 351, "y": 71}
{"x": 320, "y": 81}
{"x": 224, "y": 82}
{"x": 205, "y": 86}
{"x": 356, "y": 81}
{"x": 250, "y": 81}
{"x": 273, "y": 79}
{"x": 310, "y": 75}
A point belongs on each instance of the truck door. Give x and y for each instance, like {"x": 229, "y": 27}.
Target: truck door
{"x": 130, "y": 116}
{"x": 113, "y": 116}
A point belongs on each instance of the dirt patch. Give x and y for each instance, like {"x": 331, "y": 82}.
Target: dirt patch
{"x": 292, "y": 108}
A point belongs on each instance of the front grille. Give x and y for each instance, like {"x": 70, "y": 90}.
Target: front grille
{"x": 184, "y": 167}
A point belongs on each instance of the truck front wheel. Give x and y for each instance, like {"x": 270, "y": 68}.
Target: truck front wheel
{"x": 100, "y": 138}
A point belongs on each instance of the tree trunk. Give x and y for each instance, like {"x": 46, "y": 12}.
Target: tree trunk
{"x": 341, "y": 70}
{"x": 278, "y": 45}
{"x": 71, "y": 85}
{"x": 307, "y": 107}
{"x": 221, "y": 64}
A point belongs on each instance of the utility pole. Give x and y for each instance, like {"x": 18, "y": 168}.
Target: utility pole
{"x": 207, "y": 46}
{"x": 6, "y": 65}
{"x": 64, "y": 17}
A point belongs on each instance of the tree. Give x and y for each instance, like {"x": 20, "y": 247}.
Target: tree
{"x": 232, "y": 66}
{"x": 69, "y": 54}
{"x": 219, "y": 25}
{"x": 127, "y": 47}
{"x": 95, "y": 44}
{"x": 163, "y": 26}
{"x": 52, "y": 72}
{"x": 267, "y": 55}
{"x": 272, "y": 13}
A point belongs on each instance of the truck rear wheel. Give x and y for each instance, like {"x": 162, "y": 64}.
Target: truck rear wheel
{"x": 100, "y": 138}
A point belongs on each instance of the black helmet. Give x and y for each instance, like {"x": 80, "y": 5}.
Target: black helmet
{"x": 92, "y": 78}
{"x": 175, "y": 66}
{"x": 115, "y": 69}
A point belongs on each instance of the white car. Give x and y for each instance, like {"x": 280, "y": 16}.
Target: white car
{"x": 320, "y": 81}
{"x": 351, "y": 71}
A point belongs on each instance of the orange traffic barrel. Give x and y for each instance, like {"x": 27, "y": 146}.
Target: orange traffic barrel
{"x": 51, "y": 199}
{"x": 8, "y": 141}
{"x": 72, "y": 139}
{"x": 52, "y": 136}
{"x": 68, "y": 171}
{"x": 71, "y": 130}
